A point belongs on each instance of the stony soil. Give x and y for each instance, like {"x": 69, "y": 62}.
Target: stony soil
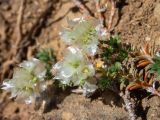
{"x": 136, "y": 21}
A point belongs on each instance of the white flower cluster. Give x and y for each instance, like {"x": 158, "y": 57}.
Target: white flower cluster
{"x": 27, "y": 81}
{"x": 81, "y": 33}
{"x": 75, "y": 68}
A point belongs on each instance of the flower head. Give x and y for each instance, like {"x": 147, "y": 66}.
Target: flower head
{"x": 81, "y": 33}
{"x": 74, "y": 68}
{"x": 26, "y": 80}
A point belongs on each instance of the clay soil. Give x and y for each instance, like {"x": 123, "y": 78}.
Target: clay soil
{"x": 136, "y": 22}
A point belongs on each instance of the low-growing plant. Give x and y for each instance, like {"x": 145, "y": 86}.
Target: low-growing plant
{"x": 94, "y": 60}
{"x": 89, "y": 63}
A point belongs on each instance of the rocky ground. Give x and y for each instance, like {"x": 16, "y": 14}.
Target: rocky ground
{"x": 136, "y": 21}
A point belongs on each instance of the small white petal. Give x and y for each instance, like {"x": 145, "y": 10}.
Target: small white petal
{"x": 58, "y": 66}
{"x": 29, "y": 65}
{"x": 89, "y": 89}
{"x": 158, "y": 54}
{"x": 91, "y": 49}
{"x": 66, "y": 36}
{"x": 36, "y": 66}
{"x": 73, "y": 22}
{"x": 57, "y": 77}
{"x": 73, "y": 50}
{"x": 29, "y": 100}
{"x": 81, "y": 19}
{"x": 66, "y": 81}
{"x": 7, "y": 85}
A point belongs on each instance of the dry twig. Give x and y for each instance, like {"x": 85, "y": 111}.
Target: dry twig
{"x": 30, "y": 37}
{"x": 23, "y": 41}
{"x": 18, "y": 29}
{"x": 6, "y": 66}
{"x": 111, "y": 15}
{"x": 100, "y": 16}
{"x": 130, "y": 106}
{"x": 18, "y": 33}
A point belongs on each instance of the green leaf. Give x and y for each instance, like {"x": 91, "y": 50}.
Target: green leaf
{"x": 155, "y": 68}
{"x": 115, "y": 42}
{"x": 103, "y": 83}
{"x": 48, "y": 57}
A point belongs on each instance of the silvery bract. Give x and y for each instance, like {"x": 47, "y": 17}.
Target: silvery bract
{"x": 89, "y": 89}
{"x": 74, "y": 68}
{"x": 81, "y": 33}
{"x": 27, "y": 80}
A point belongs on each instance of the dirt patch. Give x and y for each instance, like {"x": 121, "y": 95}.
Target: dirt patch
{"x": 136, "y": 21}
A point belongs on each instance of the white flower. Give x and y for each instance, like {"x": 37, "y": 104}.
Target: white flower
{"x": 35, "y": 66}
{"x": 74, "y": 68}
{"x": 158, "y": 54}
{"x": 81, "y": 33}
{"x": 102, "y": 32}
{"x": 89, "y": 89}
{"x": 26, "y": 80}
